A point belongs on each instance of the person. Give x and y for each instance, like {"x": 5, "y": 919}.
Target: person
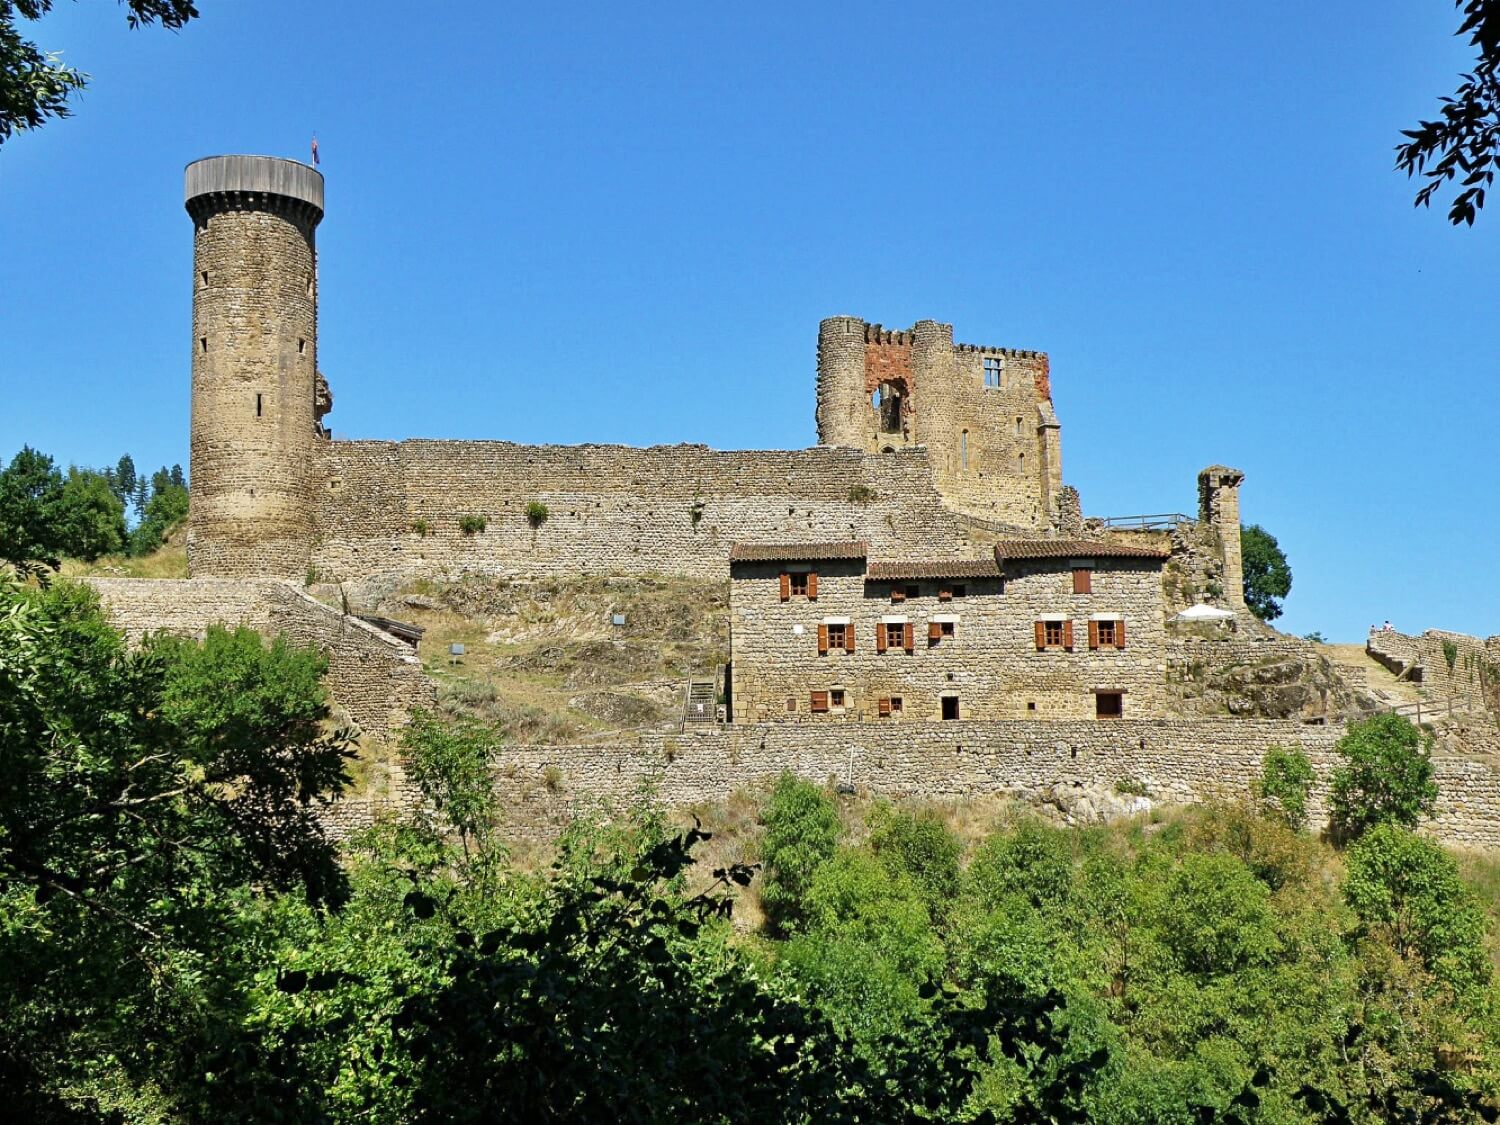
{"x": 1388, "y": 627}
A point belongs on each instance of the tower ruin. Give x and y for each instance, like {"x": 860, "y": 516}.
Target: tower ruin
{"x": 254, "y": 370}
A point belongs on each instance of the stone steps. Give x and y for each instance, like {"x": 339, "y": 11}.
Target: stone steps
{"x": 701, "y": 703}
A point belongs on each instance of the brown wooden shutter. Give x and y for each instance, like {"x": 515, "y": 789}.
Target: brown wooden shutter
{"x": 880, "y": 636}
{"x": 818, "y": 703}
{"x": 1083, "y": 580}
{"x": 812, "y": 585}
{"x": 1120, "y": 633}
{"x": 945, "y": 594}
{"x": 822, "y": 640}
{"x": 884, "y": 708}
{"x": 786, "y": 586}
{"x": 934, "y": 632}
{"x": 1093, "y": 634}
{"x": 908, "y": 638}
{"x": 1041, "y": 635}
{"x": 849, "y": 637}
{"x": 1068, "y": 635}
{"x": 898, "y": 593}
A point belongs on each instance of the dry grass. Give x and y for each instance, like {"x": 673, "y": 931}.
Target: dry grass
{"x": 168, "y": 561}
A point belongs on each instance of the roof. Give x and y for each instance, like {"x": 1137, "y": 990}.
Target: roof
{"x": 1074, "y": 548}
{"x": 406, "y": 631}
{"x": 796, "y": 552}
{"x": 986, "y": 567}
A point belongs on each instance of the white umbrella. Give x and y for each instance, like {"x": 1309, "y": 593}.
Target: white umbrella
{"x": 1203, "y": 613}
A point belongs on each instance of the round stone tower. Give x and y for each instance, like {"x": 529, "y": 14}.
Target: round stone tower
{"x": 255, "y": 362}
{"x": 843, "y": 402}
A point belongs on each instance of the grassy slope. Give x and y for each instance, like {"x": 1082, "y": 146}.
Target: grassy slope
{"x": 168, "y": 561}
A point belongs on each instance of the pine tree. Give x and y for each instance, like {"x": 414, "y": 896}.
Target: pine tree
{"x": 125, "y": 478}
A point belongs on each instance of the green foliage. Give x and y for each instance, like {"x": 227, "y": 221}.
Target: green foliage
{"x": 163, "y": 512}
{"x": 450, "y": 763}
{"x": 1286, "y": 779}
{"x": 1450, "y": 652}
{"x": 90, "y": 517}
{"x": 536, "y": 513}
{"x": 30, "y": 513}
{"x": 1386, "y": 778}
{"x": 918, "y": 846}
{"x": 1268, "y": 578}
{"x": 802, "y": 833}
{"x": 861, "y": 494}
{"x": 1131, "y": 787}
{"x": 1033, "y": 863}
{"x": 1316, "y": 637}
{"x": 34, "y": 85}
{"x": 420, "y": 528}
{"x": 1410, "y": 888}
{"x": 472, "y": 525}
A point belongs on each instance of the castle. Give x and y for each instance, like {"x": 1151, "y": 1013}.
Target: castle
{"x": 917, "y": 604}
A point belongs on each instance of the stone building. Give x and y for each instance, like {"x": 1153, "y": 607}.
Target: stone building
{"x": 1039, "y": 629}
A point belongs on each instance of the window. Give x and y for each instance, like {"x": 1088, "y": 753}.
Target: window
{"x": 791, "y": 703}
{"x": 799, "y": 584}
{"x": 913, "y": 591}
{"x": 1083, "y": 580}
{"x": 257, "y": 406}
{"x": 959, "y": 591}
{"x": 993, "y": 366}
{"x": 1109, "y": 705}
{"x": 950, "y": 706}
{"x": 301, "y": 346}
{"x": 895, "y": 704}
{"x": 963, "y": 448}
{"x": 887, "y": 707}
{"x": 1054, "y": 634}
{"x": 834, "y": 637}
{"x": 204, "y": 275}
{"x": 898, "y": 593}
{"x": 937, "y": 630}
{"x": 1018, "y": 427}
{"x": 818, "y": 702}
{"x": 836, "y": 698}
{"x": 203, "y": 343}
{"x": 1107, "y": 634}
{"x": 894, "y": 634}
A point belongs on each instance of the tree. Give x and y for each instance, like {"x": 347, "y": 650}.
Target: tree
{"x": 1464, "y": 139}
{"x": 30, "y": 498}
{"x": 802, "y": 833}
{"x": 1268, "y": 578}
{"x": 124, "y": 478}
{"x": 167, "y": 508}
{"x": 179, "y": 480}
{"x": 35, "y": 85}
{"x": 1286, "y": 778}
{"x": 90, "y": 517}
{"x": 1386, "y": 778}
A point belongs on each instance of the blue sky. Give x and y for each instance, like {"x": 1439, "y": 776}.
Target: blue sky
{"x": 564, "y": 223}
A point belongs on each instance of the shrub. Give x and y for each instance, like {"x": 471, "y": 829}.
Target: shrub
{"x": 861, "y": 494}
{"x": 1286, "y": 778}
{"x": 919, "y": 846}
{"x": 552, "y": 778}
{"x": 450, "y": 762}
{"x": 1032, "y": 861}
{"x": 1387, "y": 778}
{"x": 420, "y": 527}
{"x": 472, "y": 525}
{"x": 536, "y": 514}
{"x": 1129, "y": 786}
{"x": 802, "y": 831}
{"x": 1410, "y": 890}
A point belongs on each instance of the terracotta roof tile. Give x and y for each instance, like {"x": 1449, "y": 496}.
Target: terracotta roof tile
{"x": 796, "y": 552}
{"x": 934, "y": 568}
{"x": 1070, "y": 548}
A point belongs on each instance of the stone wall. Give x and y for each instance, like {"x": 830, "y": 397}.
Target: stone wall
{"x": 398, "y": 506}
{"x": 1471, "y": 680}
{"x": 990, "y": 663}
{"x": 1177, "y": 760}
{"x": 376, "y": 679}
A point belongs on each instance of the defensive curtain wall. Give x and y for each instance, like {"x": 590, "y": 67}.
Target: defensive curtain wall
{"x": 1176, "y": 760}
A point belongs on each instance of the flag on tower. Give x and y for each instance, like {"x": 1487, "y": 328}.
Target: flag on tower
{"x": 315, "y": 148}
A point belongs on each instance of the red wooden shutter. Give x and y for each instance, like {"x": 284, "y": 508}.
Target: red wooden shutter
{"x": 1041, "y": 635}
{"x": 945, "y": 594}
{"x": 880, "y": 636}
{"x": 934, "y": 632}
{"x": 849, "y": 637}
{"x": 822, "y": 640}
{"x": 884, "y": 707}
{"x": 898, "y": 593}
{"x": 1120, "y": 633}
{"x": 812, "y": 586}
{"x": 786, "y": 586}
{"x": 908, "y": 638}
{"x": 1068, "y": 635}
{"x": 1083, "y": 580}
{"x": 1093, "y": 634}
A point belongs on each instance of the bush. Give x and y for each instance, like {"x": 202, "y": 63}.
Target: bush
{"x": 802, "y": 832}
{"x": 1387, "y": 778}
{"x": 536, "y": 514}
{"x": 1033, "y": 861}
{"x": 1410, "y": 889}
{"x": 1286, "y": 778}
{"x": 420, "y": 528}
{"x": 919, "y": 846}
{"x": 472, "y": 525}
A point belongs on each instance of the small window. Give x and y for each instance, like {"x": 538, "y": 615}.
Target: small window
{"x": 1053, "y": 633}
{"x": 838, "y": 636}
{"x": 204, "y": 277}
{"x": 938, "y": 630}
{"x": 791, "y": 703}
{"x": 257, "y": 406}
{"x": 960, "y": 591}
{"x": 1031, "y": 705}
{"x": 1018, "y": 427}
{"x": 836, "y": 697}
{"x": 1109, "y": 705}
{"x": 1083, "y": 580}
{"x": 799, "y": 585}
{"x": 913, "y": 591}
{"x": 993, "y": 367}
{"x": 894, "y": 634}
{"x": 1106, "y": 631}
{"x": 950, "y": 706}
{"x": 203, "y": 343}
{"x": 896, "y": 704}
{"x": 1021, "y": 462}
{"x": 963, "y": 449}
{"x": 301, "y": 347}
